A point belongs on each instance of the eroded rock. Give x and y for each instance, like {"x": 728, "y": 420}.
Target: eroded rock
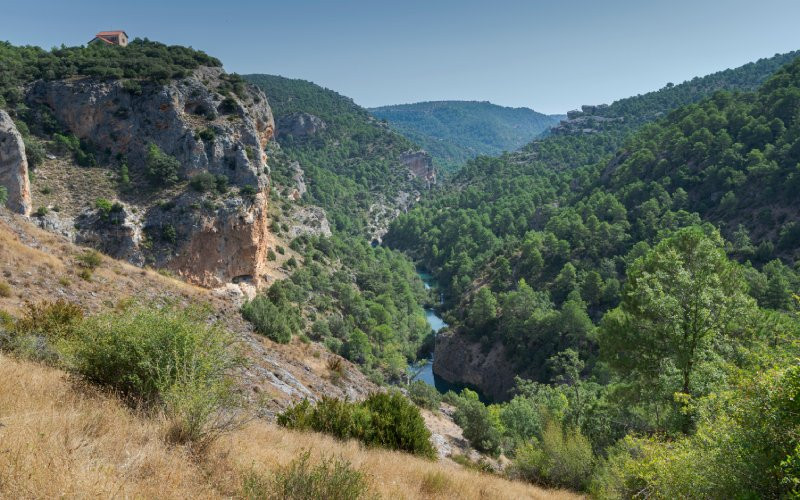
{"x": 14, "y": 166}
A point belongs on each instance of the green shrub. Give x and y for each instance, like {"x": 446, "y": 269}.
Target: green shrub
{"x": 90, "y": 259}
{"x": 280, "y": 250}
{"x": 124, "y": 176}
{"x": 248, "y": 192}
{"x": 164, "y": 356}
{"x": 3, "y": 196}
{"x": 5, "y": 289}
{"x": 207, "y": 135}
{"x": 162, "y": 169}
{"x": 271, "y": 255}
{"x": 563, "y": 458}
{"x": 387, "y": 420}
{"x": 103, "y": 206}
{"x": 423, "y": 395}
{"x": 227, "y": 106}
{"x": 330, "y": 479}
{"x": 278, "y": 322}
{"x": 133, "y": 87}
{"x": 41, "y": 212}
{"x": 203, "y": 182}
{"x": 169, "y": 234}
{"x": 34, "y": 152}
{"x": 40, "y": 328}
{"x": 479, "y": 429}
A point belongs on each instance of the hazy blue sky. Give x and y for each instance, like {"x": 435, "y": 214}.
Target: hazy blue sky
{"x": 549, "y": 55}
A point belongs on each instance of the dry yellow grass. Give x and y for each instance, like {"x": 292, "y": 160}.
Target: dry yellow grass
{"x": 60, "y": 440}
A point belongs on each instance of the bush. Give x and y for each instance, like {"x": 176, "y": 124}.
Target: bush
{"x": 5, "y": 289}
{"x": 473, "y": 417}
{"x": 203, "y": 182}
{"x": 387, "y": 420}
{"x": 162, "y": 169}
{"x": 40, "y": 328}
{"x": 3, "y": 196}
{"x": 278, "y": 322}
{"x": 248, "y": 192}
{"x": 423, "y": 395}
{"x": 90, "y": 259}
{"x": 165, "y": 356}
{"x": 561, "y": 459}
{"x": 103, "y": 206}
{"x": 271, "y": 255}
{"x": 34, "y": 152}
{"x": 331, "y": 478}
{"x": 207, "y": 135}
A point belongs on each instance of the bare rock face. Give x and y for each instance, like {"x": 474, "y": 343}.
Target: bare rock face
{"x": 420, "y": 164}
{"x": 208, "y": 240}
{"x": 125, "y": 122}
{"x": 458, "y": 360}
{"x": 300, "y": 125}
{"x": 14, "y": 166}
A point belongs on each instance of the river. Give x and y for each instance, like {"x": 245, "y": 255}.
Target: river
{"x": 437, "y": 323}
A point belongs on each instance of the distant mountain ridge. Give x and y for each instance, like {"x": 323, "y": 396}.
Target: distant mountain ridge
{"x": 456, "y": 131}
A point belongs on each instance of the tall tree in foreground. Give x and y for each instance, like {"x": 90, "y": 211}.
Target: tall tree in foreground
{"x": 679, "y": 297}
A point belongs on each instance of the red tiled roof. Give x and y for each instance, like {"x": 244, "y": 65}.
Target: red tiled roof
{"x": 98, "y": 37}
{"x": 108, "y": 33}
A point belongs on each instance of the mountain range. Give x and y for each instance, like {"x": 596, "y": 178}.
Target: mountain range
{"x": 456, "y": 131}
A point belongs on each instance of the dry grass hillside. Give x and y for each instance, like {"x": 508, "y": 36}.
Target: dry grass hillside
{"x": 36, "y": 265}
{"x": 60, "y": 438}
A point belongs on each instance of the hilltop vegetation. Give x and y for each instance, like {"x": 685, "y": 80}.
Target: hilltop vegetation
{"x": 141, "y": 59}
{"x": 642, "y": 281}
{"x": 456, "y": 131}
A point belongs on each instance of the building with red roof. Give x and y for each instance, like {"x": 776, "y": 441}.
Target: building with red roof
{"x": 111, "y": 38}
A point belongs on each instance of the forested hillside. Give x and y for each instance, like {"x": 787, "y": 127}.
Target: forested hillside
{"x": 642, "y": 281}
{"x": 456, "y": 131}
{"x": 350, "y": 160}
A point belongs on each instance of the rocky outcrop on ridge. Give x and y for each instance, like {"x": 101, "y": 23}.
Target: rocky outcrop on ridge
{"x": 208, "y": 129}
{"x": 14, "y": 166}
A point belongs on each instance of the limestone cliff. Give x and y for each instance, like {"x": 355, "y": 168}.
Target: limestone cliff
{"x": 420, "y": 165}
{"x": 14, "y": 166}
{"x": 209, "y": 238}
{"x": 459, "y": 360}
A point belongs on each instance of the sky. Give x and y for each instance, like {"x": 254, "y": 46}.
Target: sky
{"x": 549, "y": 55}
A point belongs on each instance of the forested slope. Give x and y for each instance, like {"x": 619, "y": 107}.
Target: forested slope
{"x": 642, "y": 280}
{"x": 456, "y": 131}
{"x": 350, "y": 160}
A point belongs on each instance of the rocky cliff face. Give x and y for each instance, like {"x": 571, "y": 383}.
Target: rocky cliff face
{"x": 459, "y": 360}
{"x": 208, "y": 240}
{"x": 420, "y": 164}
{"x": 300, "y": 125}
{"x": 114, "y": 118}
{"x": 14, "y": 166}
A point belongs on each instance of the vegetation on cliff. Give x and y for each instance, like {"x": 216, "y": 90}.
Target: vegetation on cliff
{"x": 350, "y": 163}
